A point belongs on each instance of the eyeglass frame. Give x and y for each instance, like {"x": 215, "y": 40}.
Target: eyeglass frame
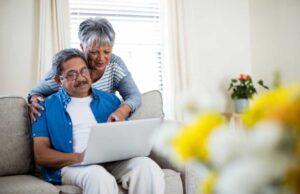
{"x": 74, "y": 74}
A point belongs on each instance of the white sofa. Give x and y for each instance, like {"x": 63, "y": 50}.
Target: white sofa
{"x": 17, "y": 168}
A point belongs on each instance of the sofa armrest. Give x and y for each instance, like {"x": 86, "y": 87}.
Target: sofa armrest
{"x": 195, "y": 173}
{"x": 165, "y": 163}
{"x": 192, "y": 174}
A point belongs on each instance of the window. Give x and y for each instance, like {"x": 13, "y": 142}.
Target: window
{"x": 138, "y": 35}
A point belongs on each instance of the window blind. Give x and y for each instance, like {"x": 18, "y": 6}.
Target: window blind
{"x": 137, "y": 24}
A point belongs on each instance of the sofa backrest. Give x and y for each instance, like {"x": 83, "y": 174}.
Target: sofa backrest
{"x": 15, "y": 139}
{"x": 152, "y": 106}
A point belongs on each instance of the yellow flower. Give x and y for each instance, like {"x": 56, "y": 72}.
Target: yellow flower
{"x": 292, "y": 178}
{"x": 191, "y": 142}
{"x": 209, "y": 183}
{"x": 282, "y": 104}
{"x": 298, "y": 147}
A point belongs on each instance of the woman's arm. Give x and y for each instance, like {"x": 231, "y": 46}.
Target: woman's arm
{"x": 125, "y": 85}
{"x": 130, "y": 92}
{"x": 45, "y": 87}
{"x": 132, "y": 99}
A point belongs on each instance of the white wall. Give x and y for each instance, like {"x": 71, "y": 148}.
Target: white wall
{"x": 18, "y": 48}
{"x": 226, "y": 38}
{"x": 218, "y": 46}
{"x": 275, "y": 39}
{"x": 223, "y": 38}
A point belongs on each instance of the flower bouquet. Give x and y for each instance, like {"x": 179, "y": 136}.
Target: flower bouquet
{"x": 262, "y": 158}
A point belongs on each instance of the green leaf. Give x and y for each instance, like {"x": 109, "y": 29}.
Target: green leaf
{"x": 230, "y": 86}
{"x": 261, "y": 83}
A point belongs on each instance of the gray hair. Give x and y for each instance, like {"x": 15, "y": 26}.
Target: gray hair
{"x": 64, "y": 55}
{"x": 96, "y": 30}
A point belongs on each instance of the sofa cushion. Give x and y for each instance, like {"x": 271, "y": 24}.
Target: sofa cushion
{"x": 69, "y": 189}
{"x": 25, "y": 184}
{"x": 196, "y": 173}
{"x": 15, "y": 140}
{"x": 172, "y": 181}
{"x": 152, "y": 106}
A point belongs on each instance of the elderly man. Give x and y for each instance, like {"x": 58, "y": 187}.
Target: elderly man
{"x": 60, "y": 135}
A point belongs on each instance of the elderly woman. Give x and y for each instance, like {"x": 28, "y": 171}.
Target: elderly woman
{"x": 108, "y": 71}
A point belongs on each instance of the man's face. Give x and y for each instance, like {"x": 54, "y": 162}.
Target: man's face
{"x": 75, "y": 78}
{"x": 98, "y": 56}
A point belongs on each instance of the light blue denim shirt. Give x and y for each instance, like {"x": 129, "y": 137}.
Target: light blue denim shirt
{"x": 55, "y": 123}
{"x": 115, "y": 78}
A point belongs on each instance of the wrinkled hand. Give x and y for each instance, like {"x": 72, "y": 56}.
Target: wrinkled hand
{"x": 115, "y": 117}
{"x": 34, "y": 106}
{"x": 120, "y": 114}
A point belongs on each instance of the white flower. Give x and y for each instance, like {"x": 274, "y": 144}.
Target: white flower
{"x": 264, "y": 138}
{"x": 248, "y": 161}
{"x": 251, "y": 175}
{"x": 225, "y": 144}
{"x": 162, "y": 139}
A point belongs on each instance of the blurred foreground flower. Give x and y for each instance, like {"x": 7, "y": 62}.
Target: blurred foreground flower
{"x": 282, "y": 105}
{"x": 191, "y": 142}
{"x": 263, "y": 158}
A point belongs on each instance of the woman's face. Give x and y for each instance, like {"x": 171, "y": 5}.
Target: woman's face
{"x": 98, "y": 56}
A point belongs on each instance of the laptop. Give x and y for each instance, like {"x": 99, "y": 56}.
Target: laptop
{"x": 115, "y": 141}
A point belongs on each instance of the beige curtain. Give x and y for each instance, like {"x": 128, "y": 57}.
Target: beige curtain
{"x": 176, "y": 78}
{"x": 54, "y": 32}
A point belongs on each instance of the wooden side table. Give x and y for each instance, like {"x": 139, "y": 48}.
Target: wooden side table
{"x": 234, "y": 119}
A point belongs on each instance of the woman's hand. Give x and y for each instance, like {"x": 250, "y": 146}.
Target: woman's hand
{"x": 35, "y": 107}
{"x": 120, "y": 114}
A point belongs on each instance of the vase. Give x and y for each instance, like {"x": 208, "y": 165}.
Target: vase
{"x": 241, "y": 104}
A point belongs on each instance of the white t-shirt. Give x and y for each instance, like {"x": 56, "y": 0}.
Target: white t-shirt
{"x": 82, "y": 119}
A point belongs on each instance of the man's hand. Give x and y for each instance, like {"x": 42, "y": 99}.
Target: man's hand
{"x": 79, "y": 157}
{"x": 120, "y": 114}
{"x": 46, "y": 156}
{"x": 35, "y": 106}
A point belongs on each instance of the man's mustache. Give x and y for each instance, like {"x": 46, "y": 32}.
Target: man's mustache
{"x": 79, "y": 83}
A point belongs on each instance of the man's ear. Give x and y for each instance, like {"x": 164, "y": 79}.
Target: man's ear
{"x": 57, "y": 79}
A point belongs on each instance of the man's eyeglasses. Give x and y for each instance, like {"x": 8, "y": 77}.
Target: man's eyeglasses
{"x": 72, "y": 75}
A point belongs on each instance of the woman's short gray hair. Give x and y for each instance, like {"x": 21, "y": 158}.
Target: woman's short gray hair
{"x": 64, "y": 55}
{"x": 97, "y": 31}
